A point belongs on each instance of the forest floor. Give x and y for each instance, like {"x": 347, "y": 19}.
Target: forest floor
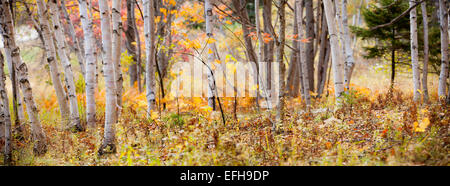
{"x": 372, "y": 128}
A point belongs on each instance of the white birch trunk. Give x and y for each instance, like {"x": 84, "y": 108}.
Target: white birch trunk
{"x": 7, "y": 31}
{"x": 414, "y": 51}
{"x": 425, "y": 52}
{"x": 339, "y": 26}
{"x": 108, "y": 144}
{"x": 116, "y": 44}
{"x": 2, "y": 122}
{"x": 75, "y": 40}
{"x": 444, "y": 49}
{"x": 279, "y": 57}
{"x": 149, "y": 31}
{"x": 448, "y": 38}
{"x": 19, "y": 103}
{"x": 91, "y": 62}
{"x": 5, "y": 115}
{"x": 301, "y": 47}
{"x": 357, "y": 21}
{"x": 51, "y": 59}
{"x": 335, "y": 51}
{"x": 349, "y": 59}
{"x": 63, "y": 56}
{"x": 211, "y": 57}
{"x": 260, "y": 43}
{"x": 260, "y": 55}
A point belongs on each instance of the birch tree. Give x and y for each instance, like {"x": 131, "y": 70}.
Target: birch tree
{"x": 279, "y": 57}
{"x": 63, "y": 56}
{"x": 18, "y": 114}
{"x": 349, "y": 59}
{"x": 116, "y": 46}
{"x": 90, "y": 54}
{"x": 448, "y": 38}
{"x": 357, "y": 20}
{"x": 13, "y": 54}
{"x": 260, "y": 44}
{"x": 426, "y": 52}
{"x": 302, "y": 49}
{"x": 108, "y": 144}
{"x": 50, "y": 52}
{"x": 335, "y": 50}
{"x": 443, "y": 16}
{"x": 76, "y": 43}
{"x": 414, "y": 50}
{"x": 149, "y": 31}
{"x": 210, "y": 61}
{"x": 5, "y": 115}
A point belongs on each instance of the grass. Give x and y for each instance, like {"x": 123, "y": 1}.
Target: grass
{"x": 363, "y": 133}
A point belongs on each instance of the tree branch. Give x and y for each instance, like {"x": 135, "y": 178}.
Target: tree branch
{"x": 398, "y": 17}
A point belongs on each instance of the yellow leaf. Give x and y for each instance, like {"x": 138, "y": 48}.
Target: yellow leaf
{"x": 172, "y": 2}
{"x": 422, "y": 125}
{"x": 211, "y": 40}
{"x": 163, "y": 10}
{"x": 157, "y": 19}
{"x": 418, "y": 90}
{"x": 197, "y": 101}
{"x": 415, "y": 124}
{"x": 207, "y": 108}
{"x": 153, "y": 115}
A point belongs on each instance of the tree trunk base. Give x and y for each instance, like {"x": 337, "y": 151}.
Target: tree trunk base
{"x": 40, "y": 147}
{"x": 212, "y": 102}
{"x": 76, "y": 126}
{"x": 18, "y": 133}
{"x": 107, "y": 148}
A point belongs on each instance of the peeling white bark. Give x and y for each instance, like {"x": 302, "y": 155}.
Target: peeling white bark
{"x": 150, "y": 39}
{"x": 5, "y": 117}
{"x": 444, "y": 49}
{"x": 50, "y": 52}
{"x": 75, "y": 40}
{"x": 116, "y": 44}
{"x": 414, "y": 51}
{"x": 211, "y": 57}
{"x": 425, "y": 52}
{"x": 91, "y": 62}
{"x": 7, "y": 32}
{"x": 63, "y": 56}
{"x": 349, "y": 59}
{"x": 108, "y": 73}
{"x": 336, "y": 57}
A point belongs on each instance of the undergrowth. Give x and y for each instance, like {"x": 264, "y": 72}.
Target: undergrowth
{"x": 368, "y": 129}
